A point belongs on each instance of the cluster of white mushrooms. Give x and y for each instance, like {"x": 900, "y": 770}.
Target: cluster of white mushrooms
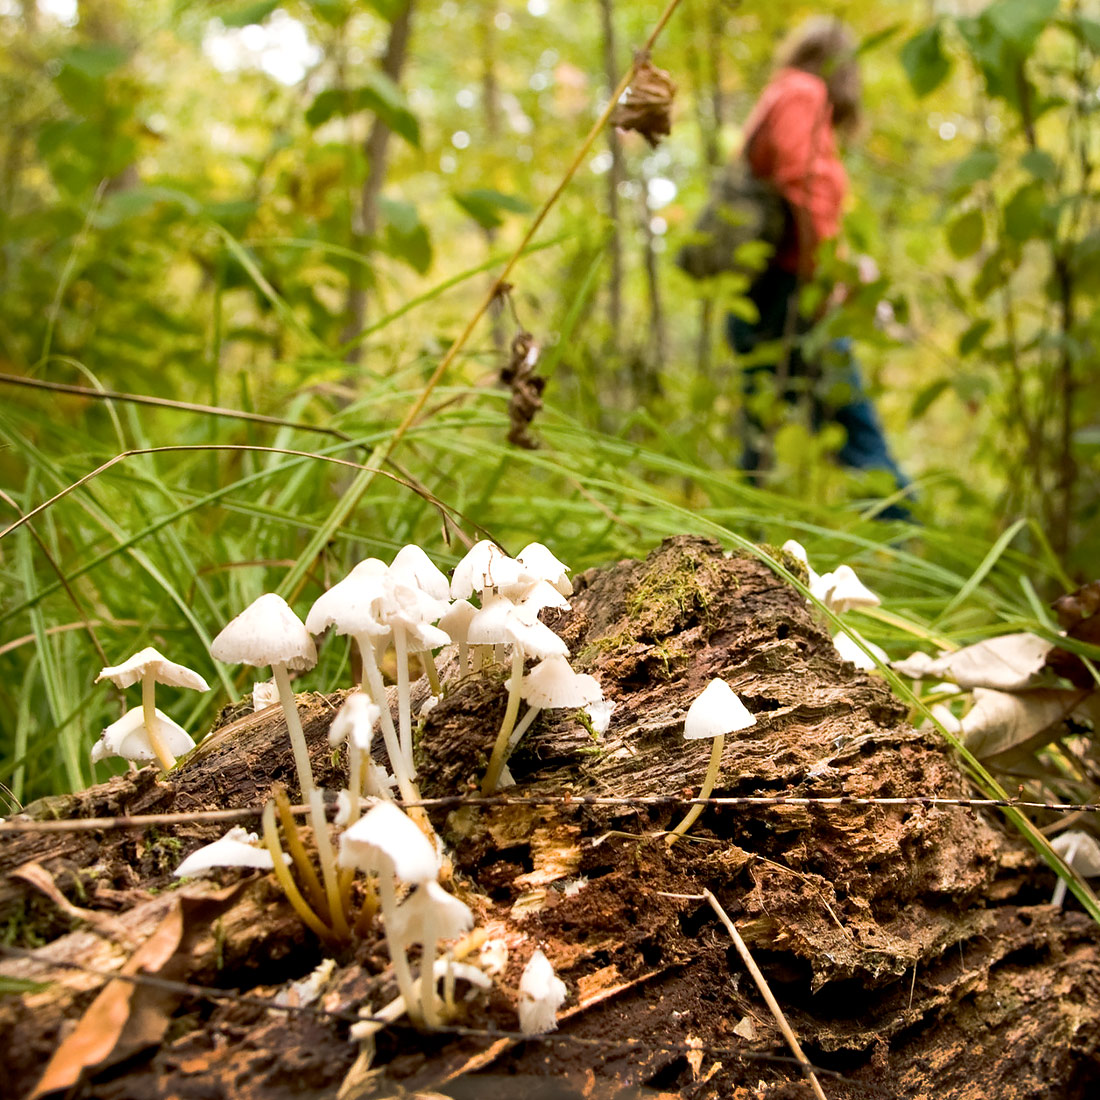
{"x": 411, "y": 606}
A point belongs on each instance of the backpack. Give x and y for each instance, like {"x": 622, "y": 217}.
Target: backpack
{"x": 740, "y": 208}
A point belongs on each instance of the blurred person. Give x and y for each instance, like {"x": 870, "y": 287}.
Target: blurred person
{"x": 791, "y": 142}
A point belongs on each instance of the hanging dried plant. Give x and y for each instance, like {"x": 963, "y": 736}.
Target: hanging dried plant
{"x": 526, "y": 397}
{"x": 648, "y": 104}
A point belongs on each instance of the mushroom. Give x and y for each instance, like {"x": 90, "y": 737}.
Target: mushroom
{"x": 539, "y": 562}
{"x": 237, "y": 848}
{"x": 551, "y": 684}
{"x": 1080, "y": 851}
{"x": 716, "y": 711}
{"x": 498, "y": 623}
{"x": 541, "y": 993}
{"x": 354, "y": 606}
{"x": 386, "y": 842}
{"x": 842, "y": 590}
{"x": 151, "y": 668}
{"x": 129, "y": 738}
{"x": 850, "y": 650}
{"x": 354, "y": 723}
{"x": 429, "y": 915}
{"x": 456, "y": 622}
{"x": 268, "y": 633}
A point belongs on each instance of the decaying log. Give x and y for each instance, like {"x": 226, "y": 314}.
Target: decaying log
{"x": 908, "y": 946}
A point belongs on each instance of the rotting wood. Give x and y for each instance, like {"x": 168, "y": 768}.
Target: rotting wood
{"x": 906, "y": 944}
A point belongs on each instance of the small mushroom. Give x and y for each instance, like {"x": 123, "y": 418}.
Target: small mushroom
{"x": 850, "y": 650}
{"x": 237, "y": 848}
{"x": 1081, "y": 851}
{"x": 129, "y": 738}
{"x": 541, "y": 993}
{"x": 429, "y": 915}
{"x": 386, "y": 842}
{"x": 716, "y": 711}
{"x": 841, "y": 590}
{"x": 552, "y": 684}
{"x": 151, "y": 667}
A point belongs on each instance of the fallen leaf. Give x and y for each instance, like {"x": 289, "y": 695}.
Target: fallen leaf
{"x": 1000, "y": 720}
{"x": 1011, "y": 662}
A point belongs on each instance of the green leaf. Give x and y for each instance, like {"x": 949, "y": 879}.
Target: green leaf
{"x": 992, "y": 274}
{"x": 1020, "y": 22}
{"x": 388, "y": 9}
{"x": 926, "y": 65}
{"x": 924, "y": 398}
{"x": 876, "y": 38}
{"x": 1040, "y": 164}
{"x": 977, "y": 165}
{"x": 242, "y": 14}
{"x": 1085, "y": 263}
{"x": 972, "y": 339}
{"x": 94, "y": 62}
{"x": 413, "y": 248}
{"x": 402, "y": 216}
{"x": 484, "y": 206}
{"x": 379, "y": 95}
{"x": 964, "y": 234}
{"x": 135, "y": 201}
{"x": 1024, "y": 211}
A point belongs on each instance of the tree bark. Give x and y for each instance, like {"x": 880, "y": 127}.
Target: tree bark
{"x": 376, "y": 150}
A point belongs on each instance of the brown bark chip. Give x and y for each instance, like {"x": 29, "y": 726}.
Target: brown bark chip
{"x": 908, "y": 947}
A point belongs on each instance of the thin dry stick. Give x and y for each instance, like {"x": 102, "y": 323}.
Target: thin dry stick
{"x": 766, "y": 993}
{"x": 246, "y": 813}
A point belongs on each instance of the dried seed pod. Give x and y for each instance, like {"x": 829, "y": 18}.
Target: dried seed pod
{"x": 648, "y": 104}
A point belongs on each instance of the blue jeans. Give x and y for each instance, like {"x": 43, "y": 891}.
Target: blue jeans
{"x": 865, "y": 446}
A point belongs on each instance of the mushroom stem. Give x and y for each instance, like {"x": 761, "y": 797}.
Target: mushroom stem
{"x": 431, "y": 672}
{"x": 522, "y": 726}
{"x": 377, "y": 691}
{"x": 387, "y": 896}
{"x": 297, "y": 850}
{"x": 152, "y": 723}
{"x": 328, "y": 863}
{"x": 708, "y": 786}
{"x": 463, "y": 658}
{"x": 428, "y": 1005}
{"x": 367, "y": 909}
{"x": 404, "y": 713}
{"x": 294, "y": 728}
{"x": 298, "y": 903}
{"x": 500, "y": 749}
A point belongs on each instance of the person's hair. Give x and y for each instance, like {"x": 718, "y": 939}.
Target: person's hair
{"x": 826, "y": 47}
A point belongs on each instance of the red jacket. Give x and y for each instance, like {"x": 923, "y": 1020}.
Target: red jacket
{"x": 789, "y": 140}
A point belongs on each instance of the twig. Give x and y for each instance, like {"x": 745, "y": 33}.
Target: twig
{"x": 766, "y": 993}
{"x": 246, "y": 813}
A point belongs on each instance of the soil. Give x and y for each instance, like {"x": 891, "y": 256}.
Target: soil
{"x": 911, "y": 948}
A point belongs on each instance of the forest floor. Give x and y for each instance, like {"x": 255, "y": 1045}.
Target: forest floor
{"x": 912, "y": 948}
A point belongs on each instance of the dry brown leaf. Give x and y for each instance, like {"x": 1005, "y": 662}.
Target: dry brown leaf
{"x": 126, "y": 1017}
{"x": 1011, "y": 662}
{"x": 647, "y": 108}
{"x": 1000, "y": 720}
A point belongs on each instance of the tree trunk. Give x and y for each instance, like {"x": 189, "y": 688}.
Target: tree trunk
{"x": 910, "y": 947}
{"x": 615, "y": 177}
{"x": 376, "y": 149}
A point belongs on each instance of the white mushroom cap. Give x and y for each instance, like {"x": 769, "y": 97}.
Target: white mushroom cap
{"x": 354, "y": 721}
{"x": 716, "y": 711}
{"x": 163, "y": 670}
{"x": 541, "y": 563}
{"x": 236, "y": 849}
{"x": 796, "y": 550}
{"x": 500, "y": 623}
{"x": 353, "y": 605}
{"x": 552, "y": 683}
{"x": 129, "y": 738}
{"x": 265, "y": 694}
{"x": 412, "y": 563}
{"x": 456, "y": 621}
{"x": 1080, "y": 850}
{"x": 843, "y": 590}
{"x": 541, "y": 594}
{"x": 414, "y": 609}
{"x": 849, "y": 650}
{"x": 541, "y": 993}
{"x": 385, "y": 836}
{"x": 484, "y": 566}
{"x": 430, "y": 905}
{"x": 267, "y": 632}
